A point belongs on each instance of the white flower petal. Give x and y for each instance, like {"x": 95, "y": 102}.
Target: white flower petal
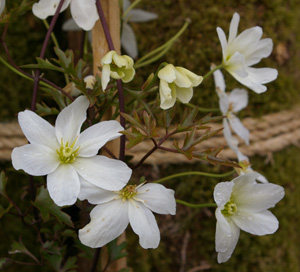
{"x": 94, "y": 194}
{"x": 167, "y": 95}
{"x": 70, "y": 120}
{"x": 227, "y": 235}
{"x": 222, "y": 193}
{"x": 236, "y": 65}
{"x": 84, "y": 13}
{"x": 255, "y": 197}
{"x": 45, "y": 8}
{"x": 219, "y": 81}
{"x": 34, "y": 159}
{"x": 107, "y": 59}
{"x": 105, "y": 76}
{"x": 261, "y": 223}
{"x": 63, "y": 185}
{"x": 233, "y": 29}
{"x": 256, "y": 78}
{"x": 262, "y": 50}
{"x": 223, "y": 41}
{"x": 238, "y": 99}
{"x": 239, "y": 128}
{"x": 245, "y": 40}
{"x": 108, "y": 221}
{"x": 223, "y": 103}
{"x": 128, "y": 41}
{"x": 128, "y": 75}
{"x": 143, "y": 223}
{"x": 37, "y": 130}
{"x": 139, "y": 16}
{"x": 157, "y": 198}
{"x": 181, "y": 79}
{"x": 96, "y": 136}
{"x": 184, "y": 94}
{"x": 103, "y": 172}
{"x": 231, "y": 140}
{"x": 167, "y": 73}
{"x": 262, "y": 179}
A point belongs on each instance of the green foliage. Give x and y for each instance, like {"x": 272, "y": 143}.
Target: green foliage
{"x": 46, "y": 206}
{"x": 116, "y": 251}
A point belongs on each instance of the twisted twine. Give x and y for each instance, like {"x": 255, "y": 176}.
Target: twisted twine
{"x": 268, "y": 134}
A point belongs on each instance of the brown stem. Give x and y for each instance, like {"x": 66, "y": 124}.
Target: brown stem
{"x": 42, "y": 55}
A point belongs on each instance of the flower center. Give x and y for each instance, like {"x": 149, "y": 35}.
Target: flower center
{"x": 128, "y": 192}
{"x": 66, "y": 153}
{"x": 230, "y": 208}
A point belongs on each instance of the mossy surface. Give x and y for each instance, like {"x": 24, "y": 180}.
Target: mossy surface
{"x": 277, "y": 252}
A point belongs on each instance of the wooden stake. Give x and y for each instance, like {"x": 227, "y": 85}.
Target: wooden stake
{"x": 111, "y": 11}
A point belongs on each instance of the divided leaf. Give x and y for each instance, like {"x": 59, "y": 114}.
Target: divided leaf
{"x": 46, "y": 206}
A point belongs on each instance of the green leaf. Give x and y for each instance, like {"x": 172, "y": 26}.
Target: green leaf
{"x": 20, "y": 248}
{"x": 116, "y": 251}
{"x": 43, "y": 110}
{"x": 46, "y": 206}
{"x": 43, "y": 64}
{"x": 135, "y": 120}
{"x": 134, "y": 137}
{"x": 4, "y": 211}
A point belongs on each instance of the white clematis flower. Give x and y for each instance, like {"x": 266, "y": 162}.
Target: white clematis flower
{"x": 128, "y": 39}
{"x": 242, "y": 51}
{"x": 176, "y": 82}
{"x": 115, "y": 210}
{"x": 243, "y": 204}
{"x": 2, "y": 5}
{"x": 230, "y": 104}
{"x": 117, "y": 67}
{"x": 84, "y": 12}
{"x": 67, "y": 156}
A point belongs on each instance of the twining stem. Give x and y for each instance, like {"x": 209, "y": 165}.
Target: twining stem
{"x": 202, "y": 109}
{"x": 195, "y": 173}
{"x": 213, "y": 70}
{"x": 119, "y": 82}
{"x": 142, "y": 60}
{"x": 16, "y": 69}
{"x": 42, "y": 55}
{"x": 205, "y": 205}
{"x": 156, "y": 146}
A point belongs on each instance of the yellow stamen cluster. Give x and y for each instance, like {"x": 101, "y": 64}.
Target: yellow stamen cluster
{"x": 230, "y": 208}
{"x": 66, "y": 153}
{"x": 128, "y": 192}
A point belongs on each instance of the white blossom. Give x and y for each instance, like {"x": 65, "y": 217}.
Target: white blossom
{"x": 117, "y": 67}
{"x": 115, "y": 210}
{"x": 231, "y": 103}
{"x": 176, "y": 82}
{"x": 128, "y": 39}
{"x": 243, "y": 204}
{"x": 84, "y": 12}
{"x": 242, "y": 51}
{"x": 67, "y": 156}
